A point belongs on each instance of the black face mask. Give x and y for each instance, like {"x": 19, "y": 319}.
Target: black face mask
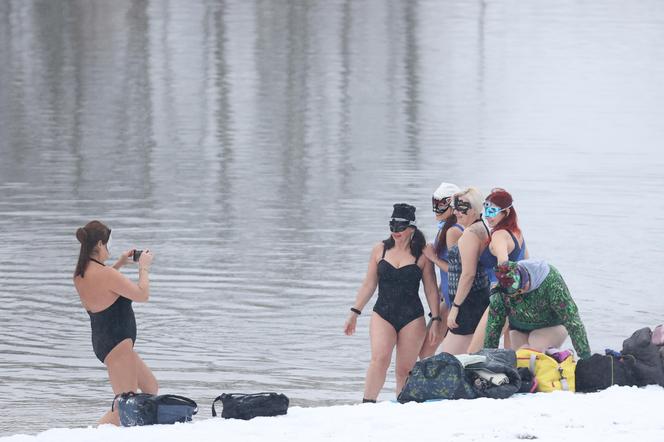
{"x": 441, "y": 205}
{"x": 398, "y": 226}
{"x": 461, "y": 206}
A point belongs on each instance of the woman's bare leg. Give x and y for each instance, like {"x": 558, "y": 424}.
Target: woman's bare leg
{"x": 429, "y": 348}
{"x": 477, "y": 341}
{"x": 409, "y": 342}
{"x": 383, "y": 340}
{"x": 518, "y": 339}
{"x": 544, "y": 338}
{"x": 122, "y": 372}
{"x": 456, "y": 344}
{"x": 147, "y": 383}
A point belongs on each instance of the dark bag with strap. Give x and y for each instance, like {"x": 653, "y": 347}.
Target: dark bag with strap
{"x": 599, "y": 372}
{"x": 249, "y": 406}
{"x": 439, "y": 377}
{"x": 147, "y": 409}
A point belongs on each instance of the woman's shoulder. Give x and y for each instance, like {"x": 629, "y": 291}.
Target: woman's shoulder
{"x": 477, "y": 229}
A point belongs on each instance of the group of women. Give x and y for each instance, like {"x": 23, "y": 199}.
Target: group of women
{"x": 479, "y": 243}
{"x": 488, "y": 285}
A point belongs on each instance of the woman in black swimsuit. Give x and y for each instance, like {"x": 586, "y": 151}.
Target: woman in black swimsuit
{"x": 468, "y": 281}
{"x": 396, "y": 267}
{"x": 107, "y": 296}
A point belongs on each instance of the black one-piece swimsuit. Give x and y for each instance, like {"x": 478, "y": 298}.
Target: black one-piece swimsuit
{"x": 112, "y": 325}
{"x": 398, "y": 293}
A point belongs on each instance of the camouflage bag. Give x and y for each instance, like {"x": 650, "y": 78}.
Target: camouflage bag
{"x": 439, "y": 377}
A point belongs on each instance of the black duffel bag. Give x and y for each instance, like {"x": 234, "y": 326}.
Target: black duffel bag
{"x": 249, "y": 406}
{"x": 147, "y": 409}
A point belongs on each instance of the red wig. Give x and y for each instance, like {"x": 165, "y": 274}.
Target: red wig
{"x": 502, "y": 199}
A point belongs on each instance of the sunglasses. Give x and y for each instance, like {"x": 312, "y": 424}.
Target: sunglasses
{"x": 441, "y": 205}
{"x": 461, "y": 206}
{"x": 398, "y": 226}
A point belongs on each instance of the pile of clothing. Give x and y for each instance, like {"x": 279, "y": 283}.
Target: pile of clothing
{"x": 639, "y": 363}
{"x": 498, "y": 373}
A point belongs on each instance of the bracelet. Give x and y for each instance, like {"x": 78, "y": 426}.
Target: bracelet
{"x": 356, "y": 311}
{"x": 454, "y": 304}
{"x": 436, "y": 318}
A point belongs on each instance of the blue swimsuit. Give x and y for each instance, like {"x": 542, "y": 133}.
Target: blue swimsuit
{"x": 488, "y": 261}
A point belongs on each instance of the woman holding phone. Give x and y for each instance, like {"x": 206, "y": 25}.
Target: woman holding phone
{"x": 107, "y": 296}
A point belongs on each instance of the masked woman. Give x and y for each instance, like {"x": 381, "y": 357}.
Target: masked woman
{"x": 534, "y": 298}
{"x": 107, "y": 296}
{"x": 396, "y": 267}
{"x": 449, "y": 232}
{"x": 468, "y": 281}
{"x": 506, "y": 244}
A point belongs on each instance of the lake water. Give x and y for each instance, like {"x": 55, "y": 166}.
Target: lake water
{"x": 257, "y": 148}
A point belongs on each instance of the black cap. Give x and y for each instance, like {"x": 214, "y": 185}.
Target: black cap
{"x": 404, "y": 211}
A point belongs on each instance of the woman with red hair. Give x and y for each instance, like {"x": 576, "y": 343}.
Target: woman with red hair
{"x": 506, "y": 244}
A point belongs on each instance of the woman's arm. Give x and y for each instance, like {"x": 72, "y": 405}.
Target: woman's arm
{"x": 431, "y": 287}
{"x": 433, "y": 298}
{"x": 430, "y": 252}
{"x": 366, "y": 290}
{"x": 123, "y": 286}
{"x": 453, "y": 236}
{"x": 500, "y": 245}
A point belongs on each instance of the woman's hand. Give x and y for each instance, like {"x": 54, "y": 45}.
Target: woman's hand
{"x": 429, "y": 252}
{"x": 124, "y": 259}
{"x": 435, "y": 330}
{"x": 451, "y": 317}
{"x": 145, "y": 260}
{"x": 349, "y": 326}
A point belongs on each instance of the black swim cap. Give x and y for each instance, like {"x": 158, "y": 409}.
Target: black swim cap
{"x": 403, "y": 211}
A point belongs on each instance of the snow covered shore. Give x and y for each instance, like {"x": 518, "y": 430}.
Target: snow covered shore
{"x": 616, "y": 414}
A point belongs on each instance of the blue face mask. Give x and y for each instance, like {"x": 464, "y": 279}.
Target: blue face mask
{"x": 491, "y": 211}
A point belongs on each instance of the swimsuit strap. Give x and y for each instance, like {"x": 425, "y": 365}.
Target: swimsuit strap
{"x": 479, "y": 220}
{"x": 98, "y": 262}
{"x": 516, "y": 242}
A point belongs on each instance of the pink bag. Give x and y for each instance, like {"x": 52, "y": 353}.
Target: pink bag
{"x": 658, "y": 335}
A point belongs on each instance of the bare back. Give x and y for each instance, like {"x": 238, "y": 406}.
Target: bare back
{"x": 102, "y": 286}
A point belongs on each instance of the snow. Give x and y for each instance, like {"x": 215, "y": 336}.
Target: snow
{"x": 616, "y": 414}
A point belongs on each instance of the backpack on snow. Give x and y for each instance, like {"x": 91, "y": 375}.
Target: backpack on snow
{"x": 249, "y": 406}
{"x": 438, "y": 377}
{"x": 550, "y": 375}
{"x": 147, "y": 409}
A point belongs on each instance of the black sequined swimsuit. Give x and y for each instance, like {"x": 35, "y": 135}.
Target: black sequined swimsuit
{"x": 398, "y": 293}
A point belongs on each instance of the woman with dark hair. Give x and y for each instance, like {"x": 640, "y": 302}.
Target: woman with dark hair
{"x": 506, "y": 244}
{"x": 468, "y": 282}
{"x": 396, "y": 267}
{"x": 449, "y": 232}
{"x": 107, "y": 296}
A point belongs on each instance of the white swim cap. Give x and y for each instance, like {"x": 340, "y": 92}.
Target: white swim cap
{"x": 445, "y": 190}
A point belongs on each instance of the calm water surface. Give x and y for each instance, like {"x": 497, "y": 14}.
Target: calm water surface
{"x": 257, "y": 147}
